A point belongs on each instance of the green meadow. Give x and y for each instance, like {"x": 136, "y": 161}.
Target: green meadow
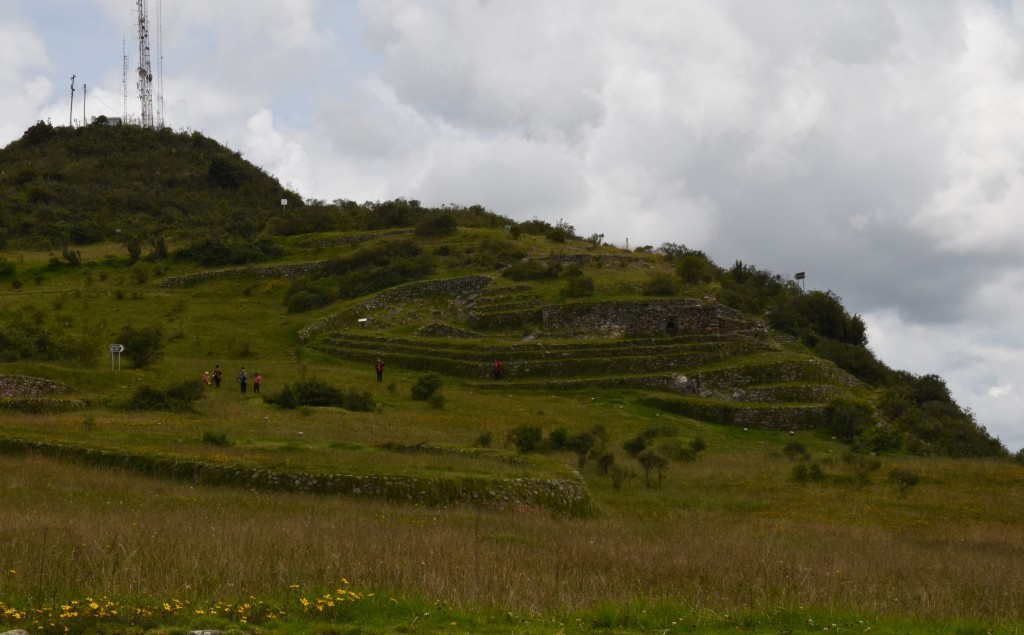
{"x": 754, "y": 470}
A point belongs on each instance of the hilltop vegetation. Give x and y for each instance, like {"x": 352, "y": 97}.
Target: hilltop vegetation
{"x": 184, "y": 198}
{"x": 650, "y": 399}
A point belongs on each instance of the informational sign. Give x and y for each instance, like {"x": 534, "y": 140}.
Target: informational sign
{"x": 116, "y": 349}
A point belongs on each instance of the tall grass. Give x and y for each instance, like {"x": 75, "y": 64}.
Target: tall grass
{"x": 69, "y": 531}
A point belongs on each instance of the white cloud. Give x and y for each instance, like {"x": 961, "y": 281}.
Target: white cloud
{"x": 876, "y": 145}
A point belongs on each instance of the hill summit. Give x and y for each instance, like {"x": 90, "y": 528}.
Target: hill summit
{"x": 452, "y": 289}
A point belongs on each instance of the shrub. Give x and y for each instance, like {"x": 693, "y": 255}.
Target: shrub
{"x": 286, "y": 398}
{"x": 426, "y": 386}
{"x": 861, "y": 466}
{"x": 219, "y": 439}
{"x": 660, "y": 285}
{"x": 435, "y": 226}
{"x": 578, "y": 287}
{"x": 796, "y": 450}
{"x": 526, "y": 438}
{"x": 619, "y": 475}
{"x": 142, "y": 346}
{"x": 557, "y": 438}
{"x": 484, "y": 439}
{"x": 807, "y": 472}
{"x": 532, "y": 270}
{"x": 846, "y": 418}
{"x": 436, "y": 401}
{"x": 177, "y": 398}
{"x": 904, "y": 479}
{"x": 635, "y": 446}
{"x": 359, "y": 401}
{"x": 314, "y": 392}
{"x": 605, "y": 463}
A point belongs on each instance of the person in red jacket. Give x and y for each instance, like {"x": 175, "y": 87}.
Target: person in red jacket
{"x": 380, "y": 370}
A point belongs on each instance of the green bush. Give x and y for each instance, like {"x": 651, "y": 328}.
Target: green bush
{"x": 177, "y": 398}
{"x": 578, "y": 287}
{"x": 436, "y": 226}
{"x": 143, "y": 345}
{"x": 904, "y": 479}
{"x": 426, "y": 386}
{"x": 808, "y": 472}
{"x": 660, "y": 285}
{"x": 219, "y": 439}
{"x": 526, "y": 438}
{"x": 796, "y": 450}
{"x": 316, "y": 393}
{"x": 557, "y": 438}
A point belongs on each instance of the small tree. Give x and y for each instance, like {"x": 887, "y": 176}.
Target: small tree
{"x": 142, "y": 346}
{"x": 581, "y": 444}
{"x": 652, "y": 462}
{"x": 526, "y": 438}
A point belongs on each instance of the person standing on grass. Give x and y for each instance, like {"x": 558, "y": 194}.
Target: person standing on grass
{"x": 217, "y": 374}
{"x": 498, "y": 368}
{"x": 257, "y": 379}
{"x": 206, "y": 377}
{"x": 380, "y": 370}
{"x": 243, "y": 380}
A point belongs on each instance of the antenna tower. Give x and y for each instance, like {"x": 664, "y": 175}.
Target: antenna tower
{"x": 145, "y": 83}
{"x": 124, "y": 78}
{"x": 71, "y": 114}
{"x": 159, "y": 64}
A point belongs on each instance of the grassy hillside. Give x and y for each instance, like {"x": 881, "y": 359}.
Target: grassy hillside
{"x": 674, "y": 446}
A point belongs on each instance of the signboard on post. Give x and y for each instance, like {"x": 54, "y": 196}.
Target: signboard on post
{"x": 118, "y": 349}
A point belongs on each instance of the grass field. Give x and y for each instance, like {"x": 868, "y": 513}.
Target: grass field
{"x": 728, "y": 543}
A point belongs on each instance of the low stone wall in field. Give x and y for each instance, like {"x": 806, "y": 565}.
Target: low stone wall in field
{"x": 562, "y": 496}
{"x": 25, "y": 387}
{"x": 272, "y": 271}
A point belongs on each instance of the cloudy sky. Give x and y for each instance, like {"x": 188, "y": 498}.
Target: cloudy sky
{"x": 877, "y": 145}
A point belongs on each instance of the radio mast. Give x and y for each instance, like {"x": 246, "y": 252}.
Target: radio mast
{"x": 145, "y": 83}
{"x": 159, "y": 64}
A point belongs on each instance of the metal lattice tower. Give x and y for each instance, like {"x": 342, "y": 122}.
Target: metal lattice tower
{"x": 159, "y": 65}
{"x": 124, "y": 78}
{"x": 145, "y": 83}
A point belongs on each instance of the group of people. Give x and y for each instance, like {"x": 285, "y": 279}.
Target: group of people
{"x": 214, "y": 379}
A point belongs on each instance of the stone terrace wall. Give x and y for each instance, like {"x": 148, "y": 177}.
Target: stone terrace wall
{"x": 646, "y": 317}
{"x": 462, "y": 287}
{"x": 24, "y": 387}
{"x": 273, "y": 271}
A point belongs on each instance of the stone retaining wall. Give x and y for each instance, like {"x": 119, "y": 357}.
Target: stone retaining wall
{"x": 272, "y": 271}
{"x": 465, "y": 287}
{"x": 25, "y": 387}
{"x": 563, "y": 496}
{"x": 645, "y": 317}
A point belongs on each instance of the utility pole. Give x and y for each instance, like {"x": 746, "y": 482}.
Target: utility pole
{"x": 85, "y": 95}
{"x": 71, "y": 114}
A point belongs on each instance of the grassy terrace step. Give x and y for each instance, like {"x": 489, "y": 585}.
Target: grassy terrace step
{"x": 559, "y": 495}
{"x": 461, "y": 358}
{"x": 546, "y": 347}
{"x": 746, "y": 415}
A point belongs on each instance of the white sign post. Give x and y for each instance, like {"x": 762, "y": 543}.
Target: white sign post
{"x": 116, "y": 348}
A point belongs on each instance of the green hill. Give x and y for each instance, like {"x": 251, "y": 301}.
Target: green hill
{"x": 648, "y": 396}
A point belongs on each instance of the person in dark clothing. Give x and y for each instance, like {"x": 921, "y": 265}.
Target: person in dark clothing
{"x": 217, "y": 374}
{"x": 498, "y": 369}
{"x": 243, "y": 381}
{"x": 379, "y": 366}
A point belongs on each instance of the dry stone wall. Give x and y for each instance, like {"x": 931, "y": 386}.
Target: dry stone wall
{"x": 645, "y": 317}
